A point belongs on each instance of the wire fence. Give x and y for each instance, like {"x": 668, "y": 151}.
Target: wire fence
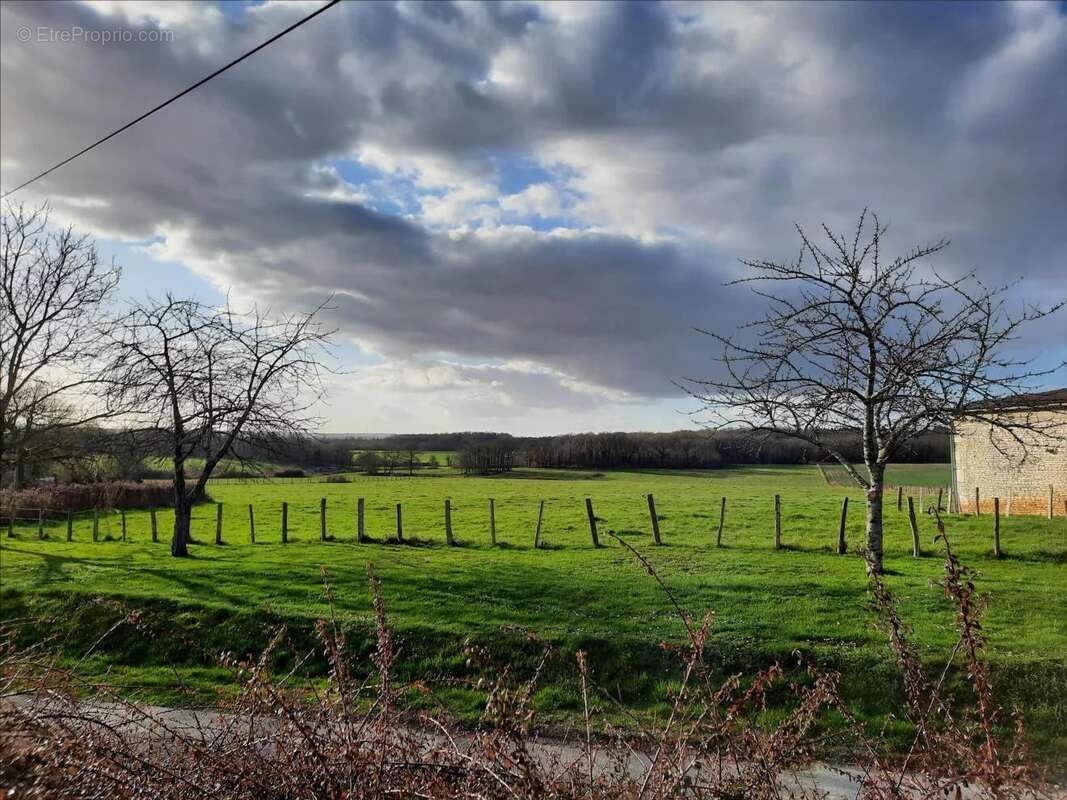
{"x": 114, "y": 520}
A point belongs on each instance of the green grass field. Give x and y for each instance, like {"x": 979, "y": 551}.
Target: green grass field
{"x": 194, "y": 465}
{"x": 911, "y": 475}
{"x": 423, "y": 456}
{"x": 767, "y": 603}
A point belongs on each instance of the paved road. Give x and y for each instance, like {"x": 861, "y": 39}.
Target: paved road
{"x": 831, "y": 782}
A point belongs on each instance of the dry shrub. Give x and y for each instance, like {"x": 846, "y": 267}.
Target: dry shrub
{"x": 955, "y": 745}
{"x": 289, "y": 473}
{"x": 351, "y": 738}
{"x": 234, "y": 474}
{"x": 57, "y": 500}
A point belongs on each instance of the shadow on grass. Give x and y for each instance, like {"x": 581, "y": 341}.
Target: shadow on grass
{"x": 545, "y": 475}
{"x": 1043, "y": 556}
{"x": 518, "y": 547}
{"x": 628, "y": 532}
{"x": 371, "y": 540}
{"x": 411, "y": 541}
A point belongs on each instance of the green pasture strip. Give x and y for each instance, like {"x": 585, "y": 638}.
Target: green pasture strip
{"x": 767, "y": 602}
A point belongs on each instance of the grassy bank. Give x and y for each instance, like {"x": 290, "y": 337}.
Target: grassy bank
{"x": 768, "y": 603}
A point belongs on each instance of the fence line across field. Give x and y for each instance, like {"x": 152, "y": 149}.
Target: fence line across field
{"x": 926, "y": 504}
{"x": 332, "y": 477}
{"x": 1019, "y": 498}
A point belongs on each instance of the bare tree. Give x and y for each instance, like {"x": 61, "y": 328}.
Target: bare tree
{"x": 411, "y": 459}
{"x": 53, "y": 328}
{"x": 52, "y": 436}
{"x": 369, "y": 461}
{"x": 886, "y": 348}
{"x": 213, "y": 379}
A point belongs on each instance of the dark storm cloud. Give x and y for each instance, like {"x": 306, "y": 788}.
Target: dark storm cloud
{"x": 689, "y": 135}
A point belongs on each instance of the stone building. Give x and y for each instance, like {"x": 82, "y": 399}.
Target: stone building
{"x": 1029, "y": 477}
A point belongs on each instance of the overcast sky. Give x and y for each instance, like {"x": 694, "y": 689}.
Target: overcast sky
{"x": 524, "y": 209}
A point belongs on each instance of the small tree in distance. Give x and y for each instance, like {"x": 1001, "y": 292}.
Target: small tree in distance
{"x": 369, "y": 461}
{"x": 887, "y": 348}
{"x": 211, "y": 379}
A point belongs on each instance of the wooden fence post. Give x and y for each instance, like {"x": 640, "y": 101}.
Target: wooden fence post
{"x": 492, "y": 521}
{"x": 592, "y": 521}
{"x": 399, "y": 524}
{"x": 251, "y": 524}
{"x": 361, "y": 532}
{"x": 841, "y": 546}
{"x": 448, "y": 522}
{"x": 285, "y": 523}
{"x": 218, "y": 523}
{"x": 40, "y": 523}
{"x": 655, "y": 519}
{"x": 96, "y": 524}
{"x": 915, "y": 548}
{"x": 996, "y": 527}
{"x": 1050, "y": 495}
{"x": 777, "y": 522}
{"x": 122, "y": 515}
{"x": 940, "y": 494}
{"x": 722, "y": 521}
{"x": 900, "y": 498}
{"x": 155, "y": 530}
{"x": 322, "y": 519}
{"x": 977, "y": 502}
{"x": 70, "y": 526}
{"x": 537, "y": 533}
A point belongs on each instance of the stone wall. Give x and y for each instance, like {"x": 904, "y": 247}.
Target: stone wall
{"x": 1019, "y": 474}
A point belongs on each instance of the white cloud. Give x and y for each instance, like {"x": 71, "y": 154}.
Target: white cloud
{"x": 674, "y": 138}
{"x": 537, "y": 199}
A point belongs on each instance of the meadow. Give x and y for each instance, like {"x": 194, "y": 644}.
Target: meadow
{"x": 513, "y": 599}
{"x": 421, "y": 456}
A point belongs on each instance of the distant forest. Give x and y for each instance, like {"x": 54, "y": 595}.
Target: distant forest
{"x": 490, "y": 452}
{"x": 91, "y": 454}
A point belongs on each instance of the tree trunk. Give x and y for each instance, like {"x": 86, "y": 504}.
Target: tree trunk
{"x": 179, "y": 543}
{"x": 874, "y": 524}
{"x": 183, "y": 512}
{"x": 19, "y": 472}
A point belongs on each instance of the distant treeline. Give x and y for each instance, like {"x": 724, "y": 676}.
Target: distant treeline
{"x": 485, "y": 458}
{"x": 100, "y": 454}
{"x": 91, "y": 454}
{"x": 487, "y": 452}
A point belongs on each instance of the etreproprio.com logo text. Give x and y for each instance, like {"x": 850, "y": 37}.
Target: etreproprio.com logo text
{"x": 76, "y": 35}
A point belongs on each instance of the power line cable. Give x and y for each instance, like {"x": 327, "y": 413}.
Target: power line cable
{"x": 178, "y": 96}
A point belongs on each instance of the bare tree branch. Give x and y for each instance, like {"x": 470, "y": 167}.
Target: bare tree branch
{"x": 213, "y": 379}
{"x": 54, "y": 328}
{"x": 889, "y": 349}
